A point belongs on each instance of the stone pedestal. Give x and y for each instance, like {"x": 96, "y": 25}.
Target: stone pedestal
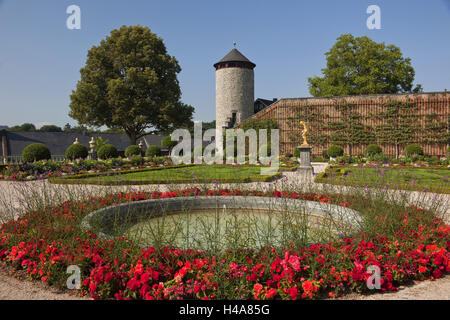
{"x": 92, "y": 155}
{"x": 305, "y": 160}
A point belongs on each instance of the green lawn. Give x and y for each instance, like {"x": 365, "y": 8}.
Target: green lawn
{"x": 432, "y": 179}
{"x": 185, "y": 174}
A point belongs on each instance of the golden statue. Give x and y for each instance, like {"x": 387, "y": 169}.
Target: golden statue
{"x": 304, "y": 132}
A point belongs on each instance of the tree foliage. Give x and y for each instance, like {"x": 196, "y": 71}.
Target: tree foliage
{"x": 27, "y": 127}
{"x": 130, "y": 82}
{"x": 50, "y": 128}
{"x": 360, "y": 65}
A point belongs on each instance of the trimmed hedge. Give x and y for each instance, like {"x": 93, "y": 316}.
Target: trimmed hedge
{"x": 76, "y": 151}
{"x": 153, "y": 151}
{"x": 107, "y": 151}
{"x": 414, "y": 150}
{"x": 133, "y": 150}
{"x": 373, "y": 149}
{"x": 36, "y": 152}
{"x": 335, "y": 151}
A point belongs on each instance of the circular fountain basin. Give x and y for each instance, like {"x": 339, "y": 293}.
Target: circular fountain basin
{"x": 193, "y": 221}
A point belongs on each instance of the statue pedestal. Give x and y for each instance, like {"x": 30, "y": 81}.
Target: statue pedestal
{"x": 305, "y": 160}
{"x": 92, "y": 155}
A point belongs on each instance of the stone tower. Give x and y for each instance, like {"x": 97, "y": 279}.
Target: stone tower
{"x": 235, "y": 89}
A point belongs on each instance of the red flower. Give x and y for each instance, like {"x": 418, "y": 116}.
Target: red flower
{"x": 307, "y": 286}
{"x": 133, "y": 284}
{"x": 272, "y": 292}
{"x": 145, "y": 277}
{"x": 437, "y": 273}
{"x": 257, "y": 287}
{"x": 293, "y": 292}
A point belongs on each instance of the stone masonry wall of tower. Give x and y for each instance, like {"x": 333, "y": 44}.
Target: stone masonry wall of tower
{"x": 234, "y": 93}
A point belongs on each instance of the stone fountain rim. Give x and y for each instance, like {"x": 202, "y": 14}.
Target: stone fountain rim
{"x": 348, "y": 216}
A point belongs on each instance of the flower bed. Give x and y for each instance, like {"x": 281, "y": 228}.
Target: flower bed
{"x": 46, "y": 169}
{"x": 412, "y": 244}
{"x": 58, "y": 169}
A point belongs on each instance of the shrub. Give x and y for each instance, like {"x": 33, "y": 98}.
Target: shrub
{"x": 381, "y": 157}
{"x": 297, "y": 152}
{"x": 107, "y": 151}
{"x": 76, "y": 151}
{"x": 373, "y": 149}
{"x": 448, "y": 151}
{"x": 414, "y": 150}
{"x": 153, "y": 151}
{"x": 335, "y": 151}
{"x": 434, "y": 160}
{"x": 132, "y": 150}
{"x": 319, "y": 159}
{"x": 168, "y": 143}
{"x": 99, "y": 142}
{"x": 36, "y": 152}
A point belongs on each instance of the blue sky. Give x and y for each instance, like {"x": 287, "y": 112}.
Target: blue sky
{"x": 40, "y": 58}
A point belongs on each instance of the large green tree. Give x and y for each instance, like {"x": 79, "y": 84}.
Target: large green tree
{"x": 130, "y": 82}
{"x": 362, "y": 66}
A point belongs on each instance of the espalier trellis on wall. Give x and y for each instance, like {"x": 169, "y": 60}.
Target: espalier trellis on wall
{"x": 399, "y": 123}
{"x": 349, "y": 131}
{"x": 391, "y": 121}
{"x": 436, "y": 130}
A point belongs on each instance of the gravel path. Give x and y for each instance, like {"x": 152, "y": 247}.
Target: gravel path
{"x": 12, "y": 200}
{"x": 14, "y": 287}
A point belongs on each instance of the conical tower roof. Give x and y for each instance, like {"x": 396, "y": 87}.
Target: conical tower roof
{"x": 234, "y": 56}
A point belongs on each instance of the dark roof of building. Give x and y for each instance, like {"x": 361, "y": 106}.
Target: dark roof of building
{"x": 265, "y": 101}
{"x": 58, "y": 142}
{"x": 235, "y": 56}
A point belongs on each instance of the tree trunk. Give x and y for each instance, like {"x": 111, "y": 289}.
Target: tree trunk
{"x": 132, "y": 136}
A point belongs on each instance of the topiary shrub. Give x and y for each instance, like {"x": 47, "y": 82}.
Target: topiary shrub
{"x": 153, "y": 151}
{"x": 132, "y": 150}
{"x": 107, "y": 151}
{"x": 373, "y": 149}
{"x": 168, "y": 143}
{"x": 335, "y": 151}
{"x": 76, "y": 151}
{"x": 414, "y": 150}
{"x": 36, "y": 152}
